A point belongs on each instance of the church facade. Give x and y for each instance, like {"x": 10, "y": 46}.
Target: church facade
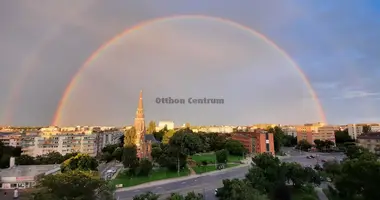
{"x": 143, "y": 141}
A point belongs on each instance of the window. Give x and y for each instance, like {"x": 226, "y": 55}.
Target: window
{"x": 268, "y": 148}
{"x": 267, "y": 136}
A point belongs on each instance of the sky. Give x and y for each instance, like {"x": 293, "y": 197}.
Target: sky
{"x": 335, "y": 43}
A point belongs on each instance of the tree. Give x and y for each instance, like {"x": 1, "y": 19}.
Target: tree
{"x": 187, "y": 125}
{"x": 366, "y": 129}
{"x": 156, "y": 153}
{"x": 236, "y": 189}
{"x": 118, "y": 154}
{"x": 222, "y": 156}
{"x": 82, "y": 162}
{"x": 144, "y": 168}
{"x": 342, "y": 136}
{"x": 187, "y": 143}
{"x": 189, "y": 196}
{"x": 130, "y": 156}
{"x": 107, "y": 157}
{"x": 160, "y": 134}
{"x": 278, "y": 137}
{"x": 130, "y": 137}
{"x": 357, "y": 151}
{"x": 167, "y": 136}
{"x": 24, "y": 160}
{"x": 289, "y": 141}
{"x": 359, "y": 177}
{"x": 235, "y": 147}
{"x": 49, "y": 158}
{"x": 303, "y": 145}
{"x": 151, "y": 127}
{"x": 110, "y": 148}
{"x": 72, "y": 185}
{"x": 332, "y": 168}
{"x": 146, "y": 196}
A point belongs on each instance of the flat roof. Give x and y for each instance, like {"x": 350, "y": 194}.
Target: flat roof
{"x": 26, "y": 170}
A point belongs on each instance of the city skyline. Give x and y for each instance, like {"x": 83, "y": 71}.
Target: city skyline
{"x": 333, "y": 43}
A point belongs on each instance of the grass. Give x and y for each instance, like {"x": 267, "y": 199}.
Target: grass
{"x": 210, "y": 158}
{"x": 209, "y": 168}
{"x": 159, "y": 174}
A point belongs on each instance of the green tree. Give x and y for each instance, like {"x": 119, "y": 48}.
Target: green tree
{"x": 354, "y": 151}
{"x": 130, "y": 137}
{"x": 130, "y": 156}
{"x": 187, "y": 143}
{"x": 106, "y": 156}
{"x": 49, "y": 158}
{"x": 342, "y": 136}
{"x": 72, "y": 185}
{"x": 359, "y": 177}
{"x": 82, "y": 162}
{"x": 236, "y": 189}
{"x": 278, "y": 137}
{"x": 332, "y": 168}
{"x": 303, "y": 145}
{"x": 151, "y": 127}
{"x": 110, "y": 148}
{"x": 167, "y": 136}
{"x": 235, "y": 147}
{"x": 147, "y": 196}
{"x": 222, "y": 156}
{"x": 24, "y": 160}
{"x": 160, "y": 134}
{"x": 289, "y": 141}
{"x": 366, "y": 129}
{"x": 156, "y": 153}
{"x": 144, "y": 168}
{"x": 118, "y": 154}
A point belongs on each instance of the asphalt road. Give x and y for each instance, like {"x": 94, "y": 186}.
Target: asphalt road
{"x": 204, "y": 184}
{"x": 208, "y": 183}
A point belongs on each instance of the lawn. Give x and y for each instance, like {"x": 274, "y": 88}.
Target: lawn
{"x": 209, "y": 168}
{"x": 211, "y": 158}
{"x": 156, "y": 175}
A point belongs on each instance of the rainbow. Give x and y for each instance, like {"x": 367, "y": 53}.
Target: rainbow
{"x": 116, "y": 39}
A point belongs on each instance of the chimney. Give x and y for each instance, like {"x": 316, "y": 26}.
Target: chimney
{"x": 11, "y": 162}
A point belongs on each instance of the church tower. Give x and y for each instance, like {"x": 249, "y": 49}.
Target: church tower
{"x": 140, "y": 127}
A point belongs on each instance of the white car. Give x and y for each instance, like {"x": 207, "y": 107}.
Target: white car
{"x": 216, "y": 192}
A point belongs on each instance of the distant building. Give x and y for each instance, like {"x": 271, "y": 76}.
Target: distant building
{"x": 354, "y": 130}
{"x": 11, "y": 138}
{"x": 25, "y": 176}
{"x": 370, "y": 141}
{"x": 259, "y": 141}
{"x": 318, "y": 131}
{"x": 35, "y": 145}
{"x": 161, "y": 125}
{"x": 290, "y": 130}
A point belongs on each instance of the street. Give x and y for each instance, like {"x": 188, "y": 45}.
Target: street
{"x": 203, "y": 184}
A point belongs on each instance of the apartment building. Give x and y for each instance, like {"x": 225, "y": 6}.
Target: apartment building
{"x": 161, "y": 125}
{"x": 258, "y": 141}
{"x": 354, "y": 130}
{"x": 264, "y": 126}
{"x": 67, "y": 143}
{"x": 290, "y": 130}
{"x": 370, "y": 141}
{"x": 10, "y": 138}
{"x": 215, "y": 129}
{"x": 317, "y": 131}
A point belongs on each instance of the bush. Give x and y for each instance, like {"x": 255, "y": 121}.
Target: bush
{"x": 204, "y": 162}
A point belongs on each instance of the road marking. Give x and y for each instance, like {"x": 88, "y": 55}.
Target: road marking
{"x": 183, "y": 182}
{"x": 195, "y": 180}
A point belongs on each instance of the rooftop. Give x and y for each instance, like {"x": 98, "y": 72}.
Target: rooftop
{"x": 373, "y": 135}
{"x": 27, "y": 170}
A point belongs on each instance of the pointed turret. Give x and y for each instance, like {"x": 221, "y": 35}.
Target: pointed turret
{"x": 140, "y": 107}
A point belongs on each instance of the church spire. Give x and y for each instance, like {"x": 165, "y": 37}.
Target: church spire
{"x": 140, "y": 107}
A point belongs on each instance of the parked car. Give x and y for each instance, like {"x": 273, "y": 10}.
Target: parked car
{"x": 308, "y": 157}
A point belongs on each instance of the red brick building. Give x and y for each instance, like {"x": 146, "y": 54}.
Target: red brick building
{"x": 259, "y": 141}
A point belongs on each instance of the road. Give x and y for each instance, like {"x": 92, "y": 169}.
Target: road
{"x": 203, "y": 184}
{"x": 208, "y": 183}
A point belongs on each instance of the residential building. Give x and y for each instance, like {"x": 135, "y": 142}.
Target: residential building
{"x": 354, "y": 130}
{"x": 161, "y": 125}
{"x": 319, "y": 131}
{"x": 290, "y": 130}
{"x": 10, "y": 138}
{"x": 259, "y": 141}
{"x": 25, "y": 176}
{"x": 91, "y": 144}
{"x": 264, "y": 126}
{"x": 370, "y": 141}
{"x": 215, "y": 129}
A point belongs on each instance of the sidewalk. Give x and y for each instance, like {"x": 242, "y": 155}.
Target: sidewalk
{"x": 321, "y": 195}
{"x": 172, "y": 180}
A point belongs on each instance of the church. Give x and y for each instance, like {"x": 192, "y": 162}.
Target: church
{"x": 143, "y": 141}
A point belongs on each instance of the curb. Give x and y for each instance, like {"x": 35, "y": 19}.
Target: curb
{"x": 171, "y": 180}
